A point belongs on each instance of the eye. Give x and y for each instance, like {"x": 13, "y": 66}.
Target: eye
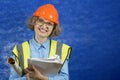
{"x": 49, "y": 24}
{"x": 40, "y": 20}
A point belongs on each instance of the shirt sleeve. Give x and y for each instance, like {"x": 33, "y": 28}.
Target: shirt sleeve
{"x": 14, "y": 76}
{"x": 63, "y": 75}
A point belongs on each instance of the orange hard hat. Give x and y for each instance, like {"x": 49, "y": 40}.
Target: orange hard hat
{"x": 47, "y": 11}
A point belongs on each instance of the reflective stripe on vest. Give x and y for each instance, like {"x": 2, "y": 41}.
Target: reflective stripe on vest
{"x": 22, "y": 52}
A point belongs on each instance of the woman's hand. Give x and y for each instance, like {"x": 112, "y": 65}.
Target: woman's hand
{"x": 35, "y": 74}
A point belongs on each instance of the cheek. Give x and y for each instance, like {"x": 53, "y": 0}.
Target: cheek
{"x": 51, "y": 30}
{"x": 35, "y": 28}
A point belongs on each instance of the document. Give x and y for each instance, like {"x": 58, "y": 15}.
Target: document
{"x": 15, "y": 66}
{"x": 50, "y": 65}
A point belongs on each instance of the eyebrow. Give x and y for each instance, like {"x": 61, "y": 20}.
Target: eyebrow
{"x": 40, "y": 19}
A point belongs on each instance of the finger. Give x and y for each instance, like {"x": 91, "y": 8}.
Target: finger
{"x": 31, "y": 75}
{"x": 28, "y": 70}
{"x": 35, "y": 69}
{"x": 30, "y": 66}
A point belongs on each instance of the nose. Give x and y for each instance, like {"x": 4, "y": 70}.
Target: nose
{"x": 44, "y": 26}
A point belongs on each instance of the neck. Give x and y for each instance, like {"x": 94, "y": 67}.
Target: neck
{"x": 40, "y": 40}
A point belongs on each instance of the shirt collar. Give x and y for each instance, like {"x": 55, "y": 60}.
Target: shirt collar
{"x": 38, "y": 45}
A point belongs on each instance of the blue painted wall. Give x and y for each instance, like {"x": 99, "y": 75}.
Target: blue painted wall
{"x": 91, "y": 27}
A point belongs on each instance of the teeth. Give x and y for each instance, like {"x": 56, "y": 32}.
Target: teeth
{"x": 43, "y": 30}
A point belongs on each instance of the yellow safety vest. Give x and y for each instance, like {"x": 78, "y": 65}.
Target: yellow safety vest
{"x": 22, "y": 52}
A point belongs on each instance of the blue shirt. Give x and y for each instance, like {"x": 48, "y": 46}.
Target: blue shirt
{"x": 42, "y": 51}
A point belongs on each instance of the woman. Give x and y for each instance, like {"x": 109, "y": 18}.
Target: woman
{"x": 45, "y": 24}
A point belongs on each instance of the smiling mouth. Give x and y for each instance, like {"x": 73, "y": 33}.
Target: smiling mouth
{"x": 43, "y": 30}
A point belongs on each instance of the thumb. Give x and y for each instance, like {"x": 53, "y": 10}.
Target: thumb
{"x": 34, "y": 67}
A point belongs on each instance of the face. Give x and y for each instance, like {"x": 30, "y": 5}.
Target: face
{"x": 43, "y": 28}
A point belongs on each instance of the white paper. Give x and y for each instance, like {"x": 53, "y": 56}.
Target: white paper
{"x": 47, "y": 66}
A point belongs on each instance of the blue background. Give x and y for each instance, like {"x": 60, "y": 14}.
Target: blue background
{"x": 91, "y": 27}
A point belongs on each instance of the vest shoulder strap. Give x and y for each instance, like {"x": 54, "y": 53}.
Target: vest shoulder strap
{"x": 22, "y": 53}
{"x": 60, "y": 49}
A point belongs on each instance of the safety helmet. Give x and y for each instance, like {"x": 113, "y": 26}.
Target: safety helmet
{"x": 47, "y": 11}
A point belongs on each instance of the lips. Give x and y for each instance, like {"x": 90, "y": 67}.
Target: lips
{"x": 43, "y": 30}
